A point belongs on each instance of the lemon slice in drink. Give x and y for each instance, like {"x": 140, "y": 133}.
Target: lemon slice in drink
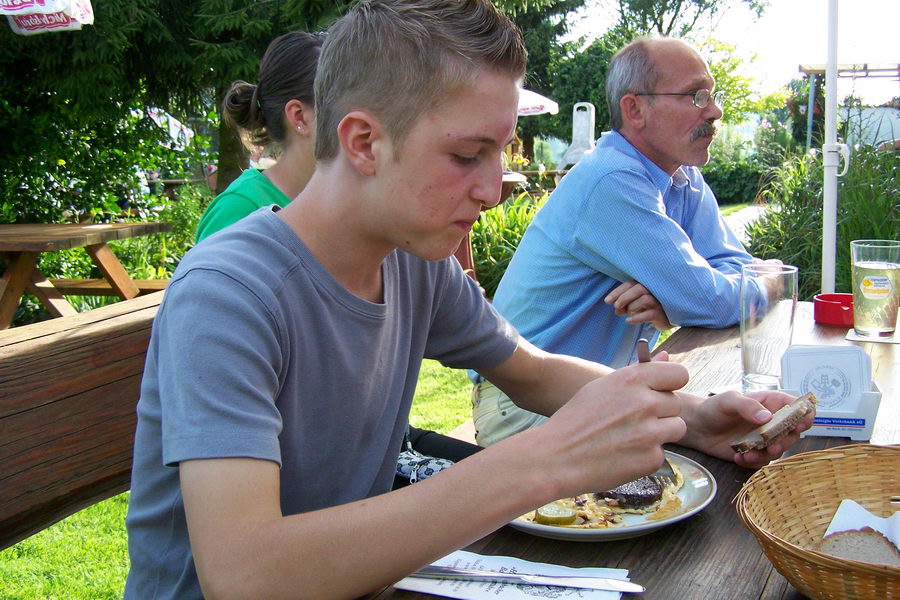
{"x": 554, "y": 514}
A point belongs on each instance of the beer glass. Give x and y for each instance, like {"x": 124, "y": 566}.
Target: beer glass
{"x": 768, "y": 303}
{"x": 875, "y": 269}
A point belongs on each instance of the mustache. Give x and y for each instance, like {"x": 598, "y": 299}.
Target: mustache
{"x": 706, "y": 129}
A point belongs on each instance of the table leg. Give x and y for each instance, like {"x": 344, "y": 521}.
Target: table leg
{"x": 49, "y": 296}
{"x": 113, "y": 270}
{"x": 16, "y": 278}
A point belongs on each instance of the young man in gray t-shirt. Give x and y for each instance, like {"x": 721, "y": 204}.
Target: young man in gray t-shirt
{"x": 284, "y": 357}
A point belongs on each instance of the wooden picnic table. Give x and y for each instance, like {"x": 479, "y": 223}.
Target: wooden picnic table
{"x": 711, "y": 555}
{"x": 22, "y": 244}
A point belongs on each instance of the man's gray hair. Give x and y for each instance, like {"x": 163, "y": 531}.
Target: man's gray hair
{"x": 631, "y": 70}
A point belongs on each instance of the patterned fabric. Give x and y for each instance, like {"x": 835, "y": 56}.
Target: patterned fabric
{"x": 414, "y": 465}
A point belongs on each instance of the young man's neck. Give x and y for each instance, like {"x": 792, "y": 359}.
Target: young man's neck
{"x": 327, "y": 216}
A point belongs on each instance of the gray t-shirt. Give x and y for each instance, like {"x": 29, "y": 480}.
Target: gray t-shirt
{"x": 257, "y": 351}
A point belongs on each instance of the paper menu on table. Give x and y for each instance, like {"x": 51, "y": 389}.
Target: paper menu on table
{"x": 470, "y": 590}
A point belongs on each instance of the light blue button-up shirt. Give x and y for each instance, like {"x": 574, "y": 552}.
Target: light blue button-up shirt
{"x": 617, "y": 217}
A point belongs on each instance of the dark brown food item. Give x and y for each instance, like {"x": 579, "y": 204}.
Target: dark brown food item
{"x": 634, "y": 494}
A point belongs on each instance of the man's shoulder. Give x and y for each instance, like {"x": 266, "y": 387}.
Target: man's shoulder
{"x": 610, "y": 169}
{"x": 610, "y": 157}
{"x": 254, "y": 245}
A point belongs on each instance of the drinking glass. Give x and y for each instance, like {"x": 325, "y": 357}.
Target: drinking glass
{"x": 768, "y": 303}
{"x": 875, "y": 269}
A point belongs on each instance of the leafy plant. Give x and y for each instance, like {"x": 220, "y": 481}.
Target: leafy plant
{"x": 496, "y": 235}
{"x": 868, "y": 207}
{"x": 732, "y": 172}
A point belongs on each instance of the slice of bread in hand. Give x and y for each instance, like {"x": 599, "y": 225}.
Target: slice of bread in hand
{"x": 865, "y": 545}
{"x": 781, "y": 424}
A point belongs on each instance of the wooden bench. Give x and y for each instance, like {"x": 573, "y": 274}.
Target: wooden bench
{"x": 101, "y": 287}
{"x": 68, "y": 390}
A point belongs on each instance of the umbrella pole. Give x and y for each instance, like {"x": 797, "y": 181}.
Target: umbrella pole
{"x": 831, "y": 150}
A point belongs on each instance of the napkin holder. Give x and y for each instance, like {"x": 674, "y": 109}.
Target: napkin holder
{"x": 840, "y": 378}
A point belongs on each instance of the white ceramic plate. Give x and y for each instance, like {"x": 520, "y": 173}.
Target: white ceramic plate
{"x": 698, "y": 490}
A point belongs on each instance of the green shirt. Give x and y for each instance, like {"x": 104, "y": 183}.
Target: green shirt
{"x": 249, "y": 192}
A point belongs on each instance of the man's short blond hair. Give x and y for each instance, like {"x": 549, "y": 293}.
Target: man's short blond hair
{"x": 398, "y": 59}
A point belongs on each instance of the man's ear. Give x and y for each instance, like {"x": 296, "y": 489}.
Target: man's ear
{"x": 633, "y": 111}
{"x": 300, "y": 117}
{"x": 360, "y": 135}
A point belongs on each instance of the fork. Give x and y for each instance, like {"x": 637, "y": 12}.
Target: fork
{"x": 664, "y": 475}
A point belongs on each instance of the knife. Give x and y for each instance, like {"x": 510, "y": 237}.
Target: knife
{"x": 573, "y": 581}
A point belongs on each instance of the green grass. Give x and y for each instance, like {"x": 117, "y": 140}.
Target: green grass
{"x": 732, "y": 208}
{"x": 83, "y": 557}
{"x": 442, "y": 401}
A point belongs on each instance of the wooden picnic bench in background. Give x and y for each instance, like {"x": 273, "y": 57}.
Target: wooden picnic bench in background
{"x": 68, "y": 391}
{"x": 22, "y": 244}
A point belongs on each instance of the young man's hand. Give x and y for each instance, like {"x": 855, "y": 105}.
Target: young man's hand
{"x": 633, "y": 299}
{"x": 613, "y": 428}
{"x": 718, "y": 420}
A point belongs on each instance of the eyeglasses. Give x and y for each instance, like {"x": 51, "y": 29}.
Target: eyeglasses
{"x": 700, "y": 98}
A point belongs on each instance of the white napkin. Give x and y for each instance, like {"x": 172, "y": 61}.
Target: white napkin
{"x": 471, "y": 590}
{"x": 851, "y": 515}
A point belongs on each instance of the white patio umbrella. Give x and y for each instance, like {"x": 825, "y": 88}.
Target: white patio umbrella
{"x": 831, "y": 151}
{"x": 532, "y": 103}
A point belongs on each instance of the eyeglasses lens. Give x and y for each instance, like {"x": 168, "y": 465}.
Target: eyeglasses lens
{"x": 702, "y": 98}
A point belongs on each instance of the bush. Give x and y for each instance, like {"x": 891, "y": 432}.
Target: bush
{"x": 496, "y": 235}
{"x": 868, "y": 208}
{"x": 732, "y": 173}
{"x": 733, "y": 182}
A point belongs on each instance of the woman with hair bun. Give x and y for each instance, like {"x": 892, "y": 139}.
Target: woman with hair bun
{"x": 279, "y": 111}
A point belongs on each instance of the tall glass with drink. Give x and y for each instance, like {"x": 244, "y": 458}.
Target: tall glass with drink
{"x": 876, "y": 286}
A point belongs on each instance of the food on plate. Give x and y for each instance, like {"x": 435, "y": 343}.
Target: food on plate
{"x": 782, "y": 423}
{"x": 589, "y": 513}
{"x": 635, "y": 495}
{"x": 555, "y": 514}
{"x": 865, "y": 545}
{"x": 604, "y": 509}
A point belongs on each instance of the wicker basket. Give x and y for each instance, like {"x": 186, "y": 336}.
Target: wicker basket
{"x": 789, "y": 504}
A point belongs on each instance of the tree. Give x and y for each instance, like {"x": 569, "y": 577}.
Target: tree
{"x": 542, "y": 27}
{"x": 740, "y": 99}
{"x": 581, "y": 74}
{"x": 71, "y": 91}
{"x": 581, "y": 77}
{"x": 73, "y": 105}
{"x": 676, "y": 18}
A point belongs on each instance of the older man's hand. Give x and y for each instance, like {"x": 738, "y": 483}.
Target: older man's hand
{"x": 634, "y": 300}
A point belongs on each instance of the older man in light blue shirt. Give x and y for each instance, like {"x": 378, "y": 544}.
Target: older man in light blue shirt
{"x": 631, "y": 242}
